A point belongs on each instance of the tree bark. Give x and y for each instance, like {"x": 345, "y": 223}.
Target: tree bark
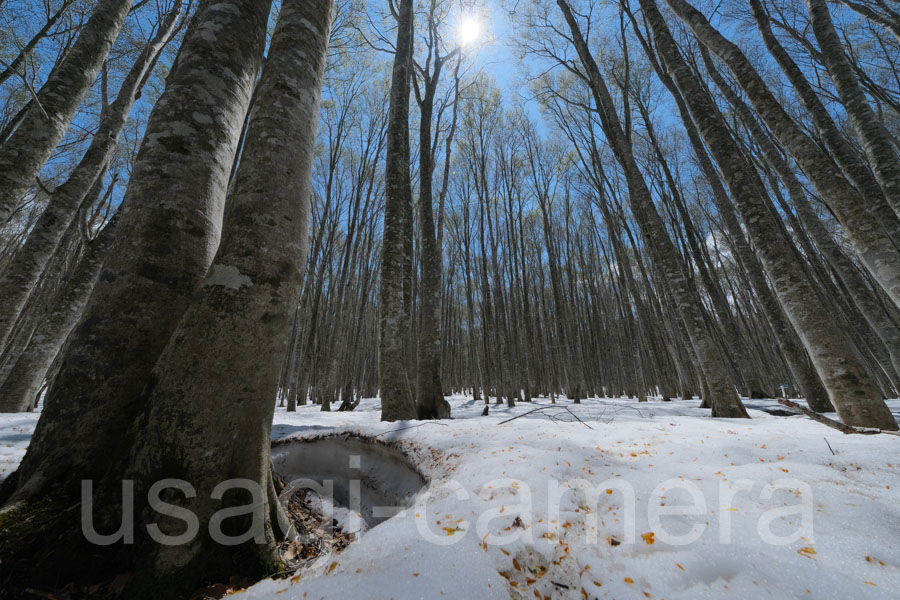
{"x": 844, "y": 154}
{"x": 396, "y": 401}
{"x": 871, "y": 130}
{"x": 217, "y": 379}
{"x": 23, "y": 155}
{"x": 723, "y": 397}
{"x": 430, "y": 402}
{"x": 23, "y": 271}
{"x": 857, "y": 400}
{"x": 18, "y": 391}
{"x": 868, "y": 235}
{"x": 167, "y": 236}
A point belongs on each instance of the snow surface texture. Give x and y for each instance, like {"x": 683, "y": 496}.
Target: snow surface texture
{"x": 781, "y": 507}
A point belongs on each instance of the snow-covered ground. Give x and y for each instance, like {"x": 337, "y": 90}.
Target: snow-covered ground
{"x": 653, "y": 500}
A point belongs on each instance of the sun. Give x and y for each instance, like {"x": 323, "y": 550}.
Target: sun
{"x": 469, "y": 29}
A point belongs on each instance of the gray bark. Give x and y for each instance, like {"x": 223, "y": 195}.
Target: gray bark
{"x": 19, "y": 390}
{"x": 217, "y": 380}
{"x": 168, "y": 233}
{"x": 871, "y": 130}
{"x": 866, "y": 232}
{"x": 23, "y": 155}
{"x": 856, "y": 398}
{"x": 396, "y": 401}
{"x": 430, "y": 403}
{"x": 862, "y": 295}
{"x": 844, "y": 154}
{"x": 23, "y": 271}
{"x": 722, "y": 395}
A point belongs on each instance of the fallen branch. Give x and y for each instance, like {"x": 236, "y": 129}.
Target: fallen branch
{"x": 576, "y": 418}
{"x": 410, "y": 427}
{"x": 846, "y": 429}
{"x": 526, "y": 414}
{"x": 551, "y": 417}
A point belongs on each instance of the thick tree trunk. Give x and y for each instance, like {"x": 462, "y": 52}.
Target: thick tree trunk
{"x": 168, "y": 234}
{"x": 396, "y": 402}
{"x": 217, "y": 379}
{"x": 23, "y": 155}
{"x": 430, "y": 402}
{"x": 22, "y": 273}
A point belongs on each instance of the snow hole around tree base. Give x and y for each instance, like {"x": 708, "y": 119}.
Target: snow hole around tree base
{"x": 359, "y": 481}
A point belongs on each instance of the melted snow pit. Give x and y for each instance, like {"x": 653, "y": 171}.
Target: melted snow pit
{"x": 368, "y": 478}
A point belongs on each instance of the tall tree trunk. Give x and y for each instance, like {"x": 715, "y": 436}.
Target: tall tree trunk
{"x": 18, "y": 391}
{"x": 23, "y": 155}
{"x": 396, "y": 402}
{"x": 807, "y": 380}
{"x": 723, "y": 397}
{"x": 217, "y": 379}
{"x": 168, "y": 234}
{"x": 847, "y": 272}
{"x": 871, "y": 130}
{"x": 867, "y": 232}
{"x": 430, "y": 401}
{"x": 857, "y": 399}
{"x": 844, "y": 154}
{"x": 22, "y": 273}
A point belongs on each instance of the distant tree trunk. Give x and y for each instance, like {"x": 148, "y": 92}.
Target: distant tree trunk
{"x": 23, "y": 155}
{"x": 870, "y": 234}
{"x": 167, "y": 236}
{"x": 13, "y": 67}
{"x": 871, "y": 130}
{"x": 22, "y": 273}
{"x": 226, "y": 355}
{"x": 857, "y": 400}
{"x": 396, "y": 402}
{"x": 722, "y": 397}
{"x": 18, "y": 391}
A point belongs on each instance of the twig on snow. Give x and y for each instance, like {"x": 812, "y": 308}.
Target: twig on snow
{"x": 526, "y": 414}
{"x": 410, "y": 427}
{"x": 551, "y": 417}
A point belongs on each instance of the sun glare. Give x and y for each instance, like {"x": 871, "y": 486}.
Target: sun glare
{"x": 469, "y": 29}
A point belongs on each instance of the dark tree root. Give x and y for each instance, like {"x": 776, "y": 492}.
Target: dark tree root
{"x": 45, "y": 553}
{"x": 42, "y": 549}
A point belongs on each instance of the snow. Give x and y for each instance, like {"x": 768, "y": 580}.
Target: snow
{"x": 15, "y": 435}
{"x": 780, "y": 507}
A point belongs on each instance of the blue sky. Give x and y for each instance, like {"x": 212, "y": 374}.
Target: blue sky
{"x": 495, "y": 54}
